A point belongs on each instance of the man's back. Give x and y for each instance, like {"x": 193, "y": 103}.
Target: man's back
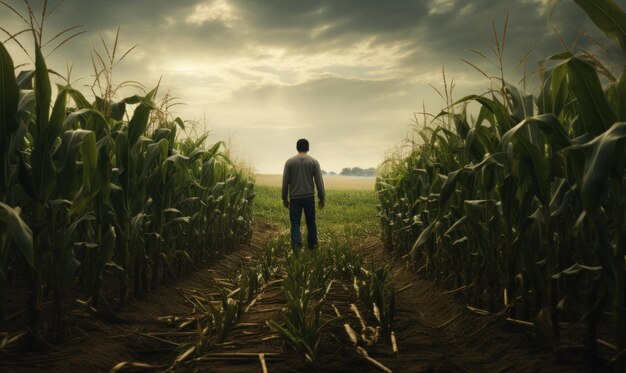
{"x": 302, "y": 174}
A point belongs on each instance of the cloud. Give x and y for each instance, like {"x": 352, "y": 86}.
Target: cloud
{"x": 349, "y": 74}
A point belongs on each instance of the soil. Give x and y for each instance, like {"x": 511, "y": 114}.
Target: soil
{"x": 435, "y": 331}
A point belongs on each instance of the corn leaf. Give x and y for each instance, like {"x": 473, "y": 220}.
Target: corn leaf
{"x": 43, "y": 90}
{"x": 423, "y": 238}
{"x": 522, "y": 104}
{"x": 88, "y": 119}
{"x": 602, "y": 155}
{"x": 19, "y": 232}
{"x": 44, "y": 171}
{"x": 78, "y": 98}
{"x": 25, "y": 79}
{"x": 9, "y": 96}
{"x": 57, "y": 117}
{"x": 89, "y": 188}
{"x": 139, "y": 121}
{"x": 595, "y": 111}
{"x": 9, "y": 99}
{"x": 608, "y": 17}
{"x": 66, "y": 157}
{"x": 546, "y": 123}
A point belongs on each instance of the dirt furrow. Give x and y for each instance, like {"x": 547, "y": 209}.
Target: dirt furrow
{"x": 435, "y": 332}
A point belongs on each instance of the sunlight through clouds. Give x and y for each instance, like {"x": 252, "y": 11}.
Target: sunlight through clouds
{"x": 214, "y": 10}
{"x": 441, "y": 6}
{"x": 275, "y": 71}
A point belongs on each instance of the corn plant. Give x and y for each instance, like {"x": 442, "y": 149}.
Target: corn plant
{"x": 13, "y": 229}
{"x": 224, "y": 314}
{"x": 304, "y": 286}
{"x": 90, "y": 190}
{"x": 303, "y": 324}
{"x": 346, "y": 263}
{"x": 378, "y": 294}
{"x": 213, "y": 320}
{"x": 216, "y": 318}
{"x": 521, "y": 205}
{"x": 13, "y": 226}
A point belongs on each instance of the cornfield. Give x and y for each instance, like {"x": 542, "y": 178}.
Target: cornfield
{"x": 523, "y": 207}
{"x": 103, "y": 194}
{"x": 520, "y": 209}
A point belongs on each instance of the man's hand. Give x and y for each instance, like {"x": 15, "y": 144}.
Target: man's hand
{"x": 321, "y": 203}
{"x": 286, "y": 203}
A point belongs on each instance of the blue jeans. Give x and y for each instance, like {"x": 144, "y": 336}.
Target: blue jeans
{"x": 295, "y": 215}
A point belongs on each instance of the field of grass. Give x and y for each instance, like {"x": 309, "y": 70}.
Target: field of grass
{"x": 334, "y": 182}
{"x": 350, "y": 206}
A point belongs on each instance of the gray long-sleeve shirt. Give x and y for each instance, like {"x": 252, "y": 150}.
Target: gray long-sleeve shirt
{"x": 301, "y": 176}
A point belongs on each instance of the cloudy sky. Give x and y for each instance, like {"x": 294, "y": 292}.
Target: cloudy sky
{"x": 346, "y": 74}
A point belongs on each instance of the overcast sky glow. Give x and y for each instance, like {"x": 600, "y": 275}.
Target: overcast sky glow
{"x": 346, "y": 74}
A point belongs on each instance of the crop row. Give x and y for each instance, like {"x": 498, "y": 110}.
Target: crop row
{"x": 522, "y": 207}
{"x": 95, "y": 191}
{"x": 308, "y": 280}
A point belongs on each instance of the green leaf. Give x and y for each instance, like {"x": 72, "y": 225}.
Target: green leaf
{"x": 180, "y": 123}
{"x": 139, "y": 121}
{"x": 594, "y": 109}
{"x": 89, "y": 119}
{"x": 458, "y": 224}
{"x": 155, "y": 155}
{"x": 17, "y": 230}
{"x": 122, "y": 151}
{"x": 89, "y": 188}
{"x": 602, "y": 155}
{"x": 25, "y": 177}
{"x": 576, "y": 269}
{"x": 80, "y": 100}
{"x": 554, "y": 94}
{"x": 44, "y": 171}
{"x": 178, "y": 159}
{"x": 480, "y": 140}
{"x": 43, "y": 90}
{"x": 522, "y": 104}
{"x": 423, "y": 238}
{"x": 502, "y": 118}
{"x": 548, "y": 124}
{"x": 106, "y": 250}
{"x": 449, "y": 186}
{"x": 616, "y": 94}
{"x": 4, "y": 286}
{"x": 117, "y": 109}
{"x": 609, "y": 18}
{"x": 25, "y": 79}
{"x": 59, "y": 112}
{"x": 9, "y": 97}
{"x": 532, "y": 153}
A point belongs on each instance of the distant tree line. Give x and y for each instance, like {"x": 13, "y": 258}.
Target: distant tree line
{"x": 354, "y": 171}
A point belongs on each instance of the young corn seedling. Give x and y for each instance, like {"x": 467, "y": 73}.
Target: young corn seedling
{"x": 304, "y": 286}
{"x": 302, "y": 324}
{"x": 378, "y": 294}
{"x": 224, "y": 315}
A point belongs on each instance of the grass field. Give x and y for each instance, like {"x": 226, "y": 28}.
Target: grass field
{"x": 350, "y": 206}
{"x": 334, "y": 182}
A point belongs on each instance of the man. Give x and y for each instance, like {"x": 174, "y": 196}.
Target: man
{"x": 302, "y": 175}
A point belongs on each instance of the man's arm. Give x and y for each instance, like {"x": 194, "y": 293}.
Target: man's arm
{"x": 319, "y": 185}
{"x": 285, "y": 188}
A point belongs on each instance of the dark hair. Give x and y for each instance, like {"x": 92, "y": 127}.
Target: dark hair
{"x": 302, "y": 145}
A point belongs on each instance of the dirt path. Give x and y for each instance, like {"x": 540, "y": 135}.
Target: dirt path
{"x": 435, "y": 332}
{"x": 438, "y": 333}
